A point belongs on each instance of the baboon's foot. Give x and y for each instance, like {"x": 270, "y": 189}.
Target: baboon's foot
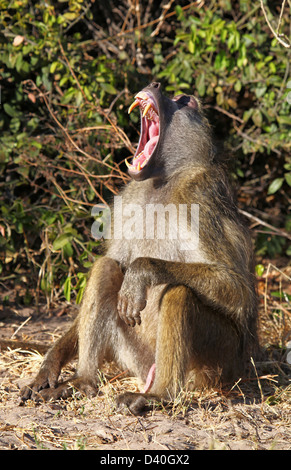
{"x": 139, "y": 403}
{"x": 62, "y": 390}
{"x": 47, "y": 377}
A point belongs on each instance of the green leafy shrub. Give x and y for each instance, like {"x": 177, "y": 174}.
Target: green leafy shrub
{"x": 56, "y": 154}
{"x": 231, "y": 61}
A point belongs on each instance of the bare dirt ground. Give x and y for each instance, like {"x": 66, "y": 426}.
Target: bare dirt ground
{"x": 254, "y": 414}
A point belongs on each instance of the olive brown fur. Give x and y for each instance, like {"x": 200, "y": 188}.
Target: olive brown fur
{"x": 191, "y": 312}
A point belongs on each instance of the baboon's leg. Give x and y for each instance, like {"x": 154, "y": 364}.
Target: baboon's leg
{"x": 192, "y": 341}
{"x": 96, "y": 328}
{"x": 98, "y": 316}
{"x": 90, "y": 336}
{"x": 64, "y": 350}
{"x": 102, "y": 335}
{"x": 173, "y": 348}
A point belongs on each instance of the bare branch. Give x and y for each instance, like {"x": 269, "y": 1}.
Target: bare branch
{"x": 276, "y": 34}
{"x": 276, "y": 230}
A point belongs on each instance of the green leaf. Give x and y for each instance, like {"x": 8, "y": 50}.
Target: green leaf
{"x": 257, "y": 117}
{"x": 288, "y": 178}
{"x": 67, "y": 289}
{"x": 237, "y": 86}
{"x": 80, "y": 287}
{"x": 61, "y": 241}
{"x": 54, "y": 66}
{"x": 63, "y": 80}
{"x": 80, "y": 295}
{"x": 15, "y": 124}
{"x": 261, "y": 90}
{"x": 69, "y": 95}
{"x": 79, "y": 98}
{"x": 275, "y": 185}
{"x": 108, "y": 88}
{"x": 247, "y": 114}
{"x": 200, "y": 84}
{"x": 68, "y": 250}
{"x": 260, "y": 269}
{"x": 191, "y": 47}
{"x": 12, "y": 112}
{"x": 220, "y": 61}
{"x": 70, "y": 15}
{"x": 284, "y": 120}
{"x": 180, "y": 13}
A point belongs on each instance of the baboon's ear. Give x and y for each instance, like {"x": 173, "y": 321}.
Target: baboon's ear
{"x": 187, "y": 100}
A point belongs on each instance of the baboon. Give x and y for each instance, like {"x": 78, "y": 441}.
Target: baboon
{"x": 172, "y": 311}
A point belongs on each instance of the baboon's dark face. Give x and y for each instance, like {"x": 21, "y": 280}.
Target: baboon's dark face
{"x": 165, "y": 124}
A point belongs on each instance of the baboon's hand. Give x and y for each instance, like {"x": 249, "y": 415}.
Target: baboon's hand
{"x": 131, "y": 300}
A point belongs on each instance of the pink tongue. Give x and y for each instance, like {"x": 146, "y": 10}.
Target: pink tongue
{"x": 153, "y": 129}
{"x": 150, "y": 145}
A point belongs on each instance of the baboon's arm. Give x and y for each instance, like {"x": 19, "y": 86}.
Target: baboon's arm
{"x": 218, "y": 285}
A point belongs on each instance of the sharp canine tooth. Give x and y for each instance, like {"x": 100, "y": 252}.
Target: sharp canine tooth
{"x": 127, "y": 164}
{"x": 133, "y": 105}
{"x": 148, "y": 106}
{"x": 138, "y": 166}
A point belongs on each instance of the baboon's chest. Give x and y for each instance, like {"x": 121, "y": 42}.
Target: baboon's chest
{"x": 147, "y": 223}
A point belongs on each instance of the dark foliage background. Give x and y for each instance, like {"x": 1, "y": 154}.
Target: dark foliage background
{"x": 68, "y": 72}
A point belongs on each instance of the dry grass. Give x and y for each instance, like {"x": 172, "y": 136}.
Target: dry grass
{"x": 253, "y": 414}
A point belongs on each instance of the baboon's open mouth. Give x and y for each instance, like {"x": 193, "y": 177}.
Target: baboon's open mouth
{"x": 150, "y": 129}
